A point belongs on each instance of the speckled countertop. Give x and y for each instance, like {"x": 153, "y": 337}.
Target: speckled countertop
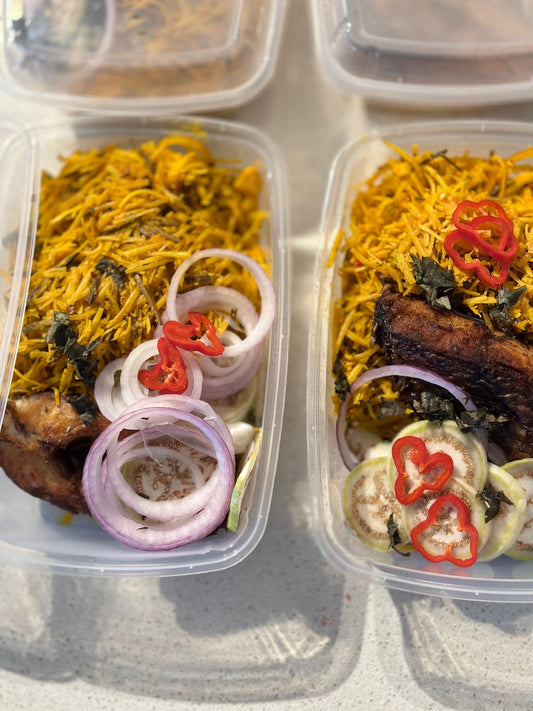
{"x": 283, "y": 629}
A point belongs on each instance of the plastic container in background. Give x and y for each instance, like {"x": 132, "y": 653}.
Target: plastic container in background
{"x": 31, "y": 533}
{"x": 16, "y": 245}
{"x": 443, "y": 52}
{"x": 121, "y": 56}
{"x": 504, "y": 579}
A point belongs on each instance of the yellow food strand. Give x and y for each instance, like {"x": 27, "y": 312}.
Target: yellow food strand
{"x": 144, "y": 210}
{"x": 406, "y": 208}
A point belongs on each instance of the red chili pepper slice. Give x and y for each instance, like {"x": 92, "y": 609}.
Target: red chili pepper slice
{"x": 189, "y": 336}
{"x": 468, "y": 233}
{"x": 437, "y": 467}
{"x": 438, "y": 517}
{"x": 481, "y": 206}
{"x": 169, "y": 375}
{"x": 458, "y": 237}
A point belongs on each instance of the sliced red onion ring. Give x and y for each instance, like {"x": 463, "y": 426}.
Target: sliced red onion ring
{"x": 200, "y": 408}
{"x": 107, "y": 392}
{"x": 266, "y": 290}
{"x": 167, "y": 510}
{"x": 389, "y": 371}
{"x": 131, "y": 388}
{"x": 110, "y": 512}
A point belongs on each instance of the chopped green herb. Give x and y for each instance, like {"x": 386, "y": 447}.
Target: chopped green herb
{"x": 437, "y": 283}
{"x": 499, "y": 313}
{"x": 493, "y": 498}
{"x": 394, "y": 536}
{"x": 63, "y": 337}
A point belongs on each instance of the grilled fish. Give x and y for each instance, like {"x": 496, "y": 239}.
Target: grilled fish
{"x": 43, "y": 447}
{"x": 496, "y": 371}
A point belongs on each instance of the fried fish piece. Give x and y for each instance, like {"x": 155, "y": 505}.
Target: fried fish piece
{"x": 43, "y": 448}
{"x": 495, "y": 370}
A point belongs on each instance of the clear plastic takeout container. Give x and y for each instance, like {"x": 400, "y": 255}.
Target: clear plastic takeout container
{"x": 443, "y": 52}
{"x": 122, "y": 56}
{"x": 33, "y": 534}
{"x": 504, "y": 579}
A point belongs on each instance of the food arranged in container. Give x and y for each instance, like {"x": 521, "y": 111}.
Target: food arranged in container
{"x": 133, "y": 56}
{"x": 142, "y": 426}
{"x": 420, "y": 447}
{"x": 444, "y": 52}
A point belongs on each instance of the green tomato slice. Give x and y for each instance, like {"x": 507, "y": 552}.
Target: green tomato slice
{"x": 522, "y": 472}
{"x": 470, "y": 466}
{"x": 368, "y": 503}
{"x": 506, "y": 526}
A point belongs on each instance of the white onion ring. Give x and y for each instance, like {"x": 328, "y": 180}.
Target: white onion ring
{"x": 266, "y": 290}
{"x": 109, "y": 511}
{"x": 131, "y": 388}
{"x": 389, "y": 371}
{"x": 107, "y": 392}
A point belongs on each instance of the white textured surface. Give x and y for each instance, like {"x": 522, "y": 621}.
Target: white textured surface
{"x": 282, "y": 630}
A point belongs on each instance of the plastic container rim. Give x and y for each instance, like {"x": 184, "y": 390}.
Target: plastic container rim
{"x": 405, "y": 93}
{"x": 184, "y": 103}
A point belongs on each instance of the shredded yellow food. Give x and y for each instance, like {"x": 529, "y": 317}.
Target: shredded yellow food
{"x": 142, "y": 211}
{"x": 406, "y": 208}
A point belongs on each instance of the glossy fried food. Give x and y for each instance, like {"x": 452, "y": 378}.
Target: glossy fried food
{"x": 496, "y": 371}
{"x": 43, "y": 447}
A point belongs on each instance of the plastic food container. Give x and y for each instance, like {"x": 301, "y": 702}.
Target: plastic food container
{"x": 122, "y": 56}
{"x": 504, "y": 579}
{"x": 444, "y": 52}
{"x": 32, "y": 534}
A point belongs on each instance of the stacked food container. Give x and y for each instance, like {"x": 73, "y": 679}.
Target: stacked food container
{"x": 381, "y": 508}
{"x": 130, "y": 74}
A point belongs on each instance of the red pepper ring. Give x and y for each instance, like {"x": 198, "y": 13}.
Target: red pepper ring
{"x": 438, "y": 464}
{"x": 189, "y": 336}
{"x": 465, "y": 205}
{"x": 469, "y": 232}
{"x": 481, "y": 271}
{"x": 435, "y": 520}
{"x": 169, "y": 375}
{"x": 507, "y": 247}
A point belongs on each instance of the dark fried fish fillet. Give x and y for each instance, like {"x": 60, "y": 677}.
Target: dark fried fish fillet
{"x": 497, "y": 372}
{"x": 43, "y": 448}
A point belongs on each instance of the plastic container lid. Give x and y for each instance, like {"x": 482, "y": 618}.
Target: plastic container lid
{"x": 123, "y": 56}
{"x": 32, "y": 534}
{"x": 503, "y": 579}
{"x": 443, "y": 52}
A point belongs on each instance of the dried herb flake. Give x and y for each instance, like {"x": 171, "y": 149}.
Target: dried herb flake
{"x": 394, "y": 536}
{"x": 437, "y": 283}
{"x": 493, "y": 498}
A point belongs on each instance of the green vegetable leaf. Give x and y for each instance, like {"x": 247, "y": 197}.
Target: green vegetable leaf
{"x": 499, "y": 312}
{"x": 63, "y": 337}
{"x": 112, "y": 269}
{"x": 84, "y": 406}
{"x": 472, "y": 419}
{"x": 394, "y": 536}
{"x": 437, "y": 283}
{"x": 493, "y": 498}
{"x": 342, "y": 386}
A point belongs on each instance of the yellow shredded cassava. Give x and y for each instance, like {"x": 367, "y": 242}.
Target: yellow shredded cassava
{"x": 146, "y": 209}
{"x": 406, "y": 208}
